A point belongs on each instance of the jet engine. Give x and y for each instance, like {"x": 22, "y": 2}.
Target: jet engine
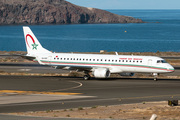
{"x": 101, "y": 73}
{"x": 126, "y": 74}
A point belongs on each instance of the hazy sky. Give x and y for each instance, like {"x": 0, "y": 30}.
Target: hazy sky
{"x": 128, "y": 4}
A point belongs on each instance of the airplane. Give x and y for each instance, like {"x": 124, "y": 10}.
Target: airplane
{"x": 99, "y": 65}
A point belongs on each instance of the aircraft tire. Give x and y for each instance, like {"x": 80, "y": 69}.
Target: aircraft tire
{"x": 86, "y": 77}
{"x": 155, "y": 79}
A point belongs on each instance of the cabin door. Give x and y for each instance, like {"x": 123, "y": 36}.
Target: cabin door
{"x": 49, "y": 59}
{"x": 150, "y": 62}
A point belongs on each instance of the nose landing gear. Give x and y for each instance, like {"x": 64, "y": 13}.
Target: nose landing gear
{"x": 155, "y": 76}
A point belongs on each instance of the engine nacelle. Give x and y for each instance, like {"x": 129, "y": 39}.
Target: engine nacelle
{"x": 126, "y": 74}
{"x": 101, "y": 73}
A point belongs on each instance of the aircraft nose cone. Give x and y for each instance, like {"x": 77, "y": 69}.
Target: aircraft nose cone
{"x": 171, "y": 68}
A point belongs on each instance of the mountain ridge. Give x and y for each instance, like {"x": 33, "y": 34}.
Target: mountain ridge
{"x": 27, "y": 12}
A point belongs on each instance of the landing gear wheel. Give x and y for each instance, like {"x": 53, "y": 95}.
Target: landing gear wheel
{"x": 155, "y": 76}
{"x": 86, "y": 77}
{"x": 155, "y": 79}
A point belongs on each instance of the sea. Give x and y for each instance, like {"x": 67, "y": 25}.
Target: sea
{"x": 160, "y": 33}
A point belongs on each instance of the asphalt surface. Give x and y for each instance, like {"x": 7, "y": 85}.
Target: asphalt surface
{"x": 101, "y": 92}
{"x": 112, "y": 91}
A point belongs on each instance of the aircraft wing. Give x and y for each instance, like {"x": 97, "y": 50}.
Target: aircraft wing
{"x": 77, "y": 68}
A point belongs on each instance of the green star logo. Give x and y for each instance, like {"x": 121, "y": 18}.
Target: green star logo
{"x": 34, "y": 46}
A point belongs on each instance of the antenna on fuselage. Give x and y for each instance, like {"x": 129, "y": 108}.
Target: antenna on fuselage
{"x": 116, "y": 53}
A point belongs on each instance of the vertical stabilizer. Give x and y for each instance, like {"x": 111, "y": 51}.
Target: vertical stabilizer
{"x": 32, "y": 44}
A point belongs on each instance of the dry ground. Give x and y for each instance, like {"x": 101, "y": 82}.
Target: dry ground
{"x": 139, "y": 111}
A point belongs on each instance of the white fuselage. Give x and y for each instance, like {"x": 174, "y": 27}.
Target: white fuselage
{"x": 115, "y": 63}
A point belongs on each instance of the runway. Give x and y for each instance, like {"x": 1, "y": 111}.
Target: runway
{"x": 40, "y": 93}
{"x": 36, "y": 92}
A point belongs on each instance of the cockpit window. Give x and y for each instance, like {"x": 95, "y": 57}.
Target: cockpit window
{"x": 161, "y": 61}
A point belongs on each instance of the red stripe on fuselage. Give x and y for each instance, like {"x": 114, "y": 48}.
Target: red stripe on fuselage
{"x": 106, "y": 65}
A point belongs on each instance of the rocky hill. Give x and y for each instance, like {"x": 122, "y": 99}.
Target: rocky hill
{"x": 55, "y": 12}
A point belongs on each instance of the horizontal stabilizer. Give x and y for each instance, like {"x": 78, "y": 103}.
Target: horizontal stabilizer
{"x": 28, "y": 57}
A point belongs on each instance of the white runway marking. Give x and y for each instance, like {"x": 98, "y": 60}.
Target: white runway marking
{"x": 80, "y": 84}
{"x": 24, "y": 69}
{"x": 36, "y": 98}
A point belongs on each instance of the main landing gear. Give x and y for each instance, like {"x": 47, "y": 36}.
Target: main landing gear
{"x": 87, "y": 76}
